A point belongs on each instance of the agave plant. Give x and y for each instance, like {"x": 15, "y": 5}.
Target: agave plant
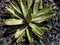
{"x": 26, "y": 18}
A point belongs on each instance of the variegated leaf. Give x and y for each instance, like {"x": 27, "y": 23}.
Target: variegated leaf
{"x": 36, "y": 7}
{"x": 24, "y": 8}
{"x": 16, "y": 7}
{"x": 36, "y": 29}
{"x": 44, "y": 17}
{"x": 45, "y": 10}
{"x": 20, "y": 37}
{"x": 13, "y": 21}
{"x": 29, "y": 35}
{"x": 30, "y": 2}
{"x": 19, "y": 33}
{"x": 44, "y": 26}
{"x": 11, "y": 10}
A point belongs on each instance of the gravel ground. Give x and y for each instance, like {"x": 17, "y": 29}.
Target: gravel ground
{"x": 52, "y": 37}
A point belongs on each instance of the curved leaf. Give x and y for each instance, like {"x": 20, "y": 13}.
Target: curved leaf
{"x": 36, "y": 29}
{"x": 44, "y": 26}
{"x": 13, "y": 21}
{"x": 43, "y": 11}
{"x": 24, "y": 8}
{"x": 19, "y": 33}
{"x": 30, "y": 2}
{"x": 16, "y": 7}
{"x": 20, "y": 37}
{"x": 36, "y": 7}
{"x": 29, "y": 35}
{"x": 25, "y": 11}
{"x": 11, "y": 10}
{"x": 45, "y": 17}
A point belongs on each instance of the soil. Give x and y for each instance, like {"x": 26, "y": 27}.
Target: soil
{"x": 52, "y": 37}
